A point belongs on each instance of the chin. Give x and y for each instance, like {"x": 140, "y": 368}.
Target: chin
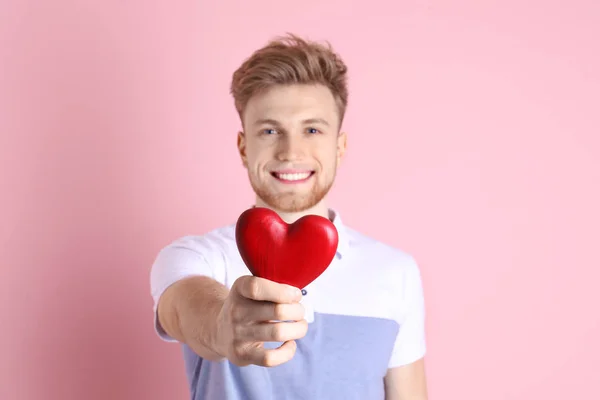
{"x": 293, "y": 203}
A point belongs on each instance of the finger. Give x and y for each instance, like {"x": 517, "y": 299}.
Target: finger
{"x": 258, "y": 355}
{"x": 251, "y": 311}
{"x": 260, "y": 289}
{"x": 267, "y": 311}
{"x": 273, "y": 331}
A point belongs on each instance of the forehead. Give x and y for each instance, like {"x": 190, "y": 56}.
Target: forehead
{"x": 291, "y": 104}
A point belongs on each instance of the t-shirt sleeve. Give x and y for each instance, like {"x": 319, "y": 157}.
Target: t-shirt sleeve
{"x": 186, "y": 257}
{"x": 410, "y": 341}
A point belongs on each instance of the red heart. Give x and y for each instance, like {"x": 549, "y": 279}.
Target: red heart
{"x": 294, "y": 254}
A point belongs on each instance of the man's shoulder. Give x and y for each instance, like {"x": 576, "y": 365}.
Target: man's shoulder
{"x": 383, "y": 272}
{"x": 372, "y": 248}
{"x": 217, "y": 239}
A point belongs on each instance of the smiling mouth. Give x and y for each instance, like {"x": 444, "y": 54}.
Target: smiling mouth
{"x": 292, "y": 177}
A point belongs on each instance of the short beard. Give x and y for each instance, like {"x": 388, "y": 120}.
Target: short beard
{"x": 289, "y": 202}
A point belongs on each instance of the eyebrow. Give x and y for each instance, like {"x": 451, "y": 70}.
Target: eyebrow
{"x": 305, "y": 122}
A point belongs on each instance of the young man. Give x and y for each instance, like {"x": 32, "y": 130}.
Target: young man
{"x": 357, "y": 332}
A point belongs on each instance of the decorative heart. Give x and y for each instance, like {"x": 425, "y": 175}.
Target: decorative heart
{"x": 295, "y": 254}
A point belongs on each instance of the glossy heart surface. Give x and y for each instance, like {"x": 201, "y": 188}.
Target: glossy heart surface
{"x": 295, "y": 254}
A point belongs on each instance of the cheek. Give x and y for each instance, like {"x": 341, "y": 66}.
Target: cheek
{"x": 327, "y": 158}
{"x": 252, "y": 153}
{"x": 257, "y": 161}
{"x": 259, "y": 152}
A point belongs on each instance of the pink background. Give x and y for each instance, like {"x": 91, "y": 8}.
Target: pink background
{"x": 474, "y": 145}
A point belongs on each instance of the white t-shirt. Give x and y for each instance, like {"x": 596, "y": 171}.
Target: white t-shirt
{"x": 366, "y": 314}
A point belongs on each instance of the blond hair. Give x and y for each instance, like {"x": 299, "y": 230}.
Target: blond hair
{"x": 290, "y": 60}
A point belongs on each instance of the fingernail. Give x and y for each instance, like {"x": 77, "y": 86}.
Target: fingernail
{"x": 295, "y": 292}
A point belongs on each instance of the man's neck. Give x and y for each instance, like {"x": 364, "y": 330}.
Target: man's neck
{"x": 320, "y": 209}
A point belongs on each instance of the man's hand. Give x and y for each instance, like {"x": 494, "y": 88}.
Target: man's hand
{"x": 249, "y": 317}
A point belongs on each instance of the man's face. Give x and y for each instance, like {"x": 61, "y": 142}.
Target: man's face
{"x": 291, "y": 145}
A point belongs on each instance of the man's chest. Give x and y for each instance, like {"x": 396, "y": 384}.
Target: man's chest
{"x": 351, "y": 333}
{"x": 352, "y": 310}
{"x": 340, "y": 357}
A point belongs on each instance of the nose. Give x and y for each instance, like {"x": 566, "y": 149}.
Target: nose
{"x": 290, "y": 148}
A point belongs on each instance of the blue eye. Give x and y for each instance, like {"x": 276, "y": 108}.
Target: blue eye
{"x": 269, "y": 131}
{"x": 313, "y": 130}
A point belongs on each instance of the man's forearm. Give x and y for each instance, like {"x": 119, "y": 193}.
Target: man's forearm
{"x": 188, "y": 312}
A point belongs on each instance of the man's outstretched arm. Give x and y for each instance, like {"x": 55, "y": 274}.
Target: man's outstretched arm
{"x": 188, "y": 312}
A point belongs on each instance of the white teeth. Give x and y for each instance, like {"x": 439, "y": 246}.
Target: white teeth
{"x": 293, "y": 177}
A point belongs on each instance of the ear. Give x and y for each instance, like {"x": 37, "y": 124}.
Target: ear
{"x": 241, "y": 144}
{"x": 342, "y": 144}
